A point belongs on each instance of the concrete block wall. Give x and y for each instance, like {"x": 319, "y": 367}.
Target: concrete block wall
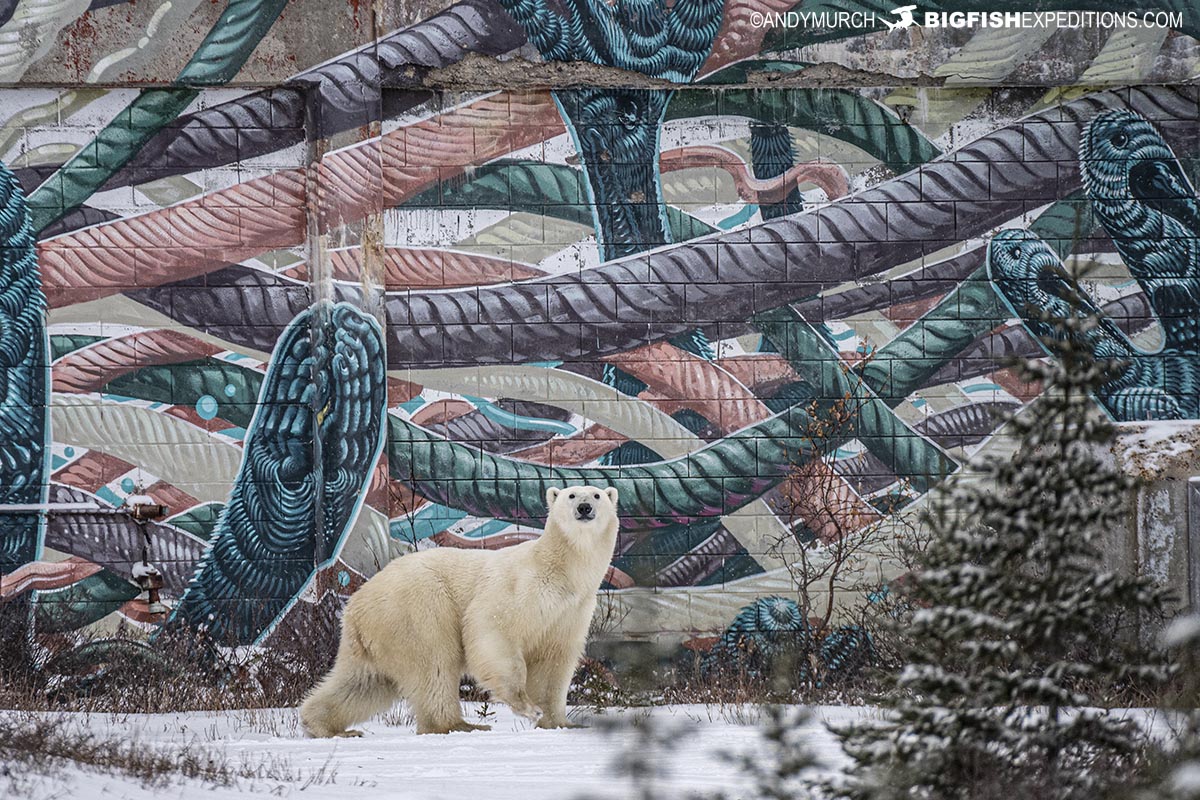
{"x": 345, "y": 282}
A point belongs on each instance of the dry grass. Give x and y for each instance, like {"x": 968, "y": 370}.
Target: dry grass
{"x": 123, "y": 674}
{"x": 177, "y": 671}
{"x": 36, "y": 747}
{"x": 792, "y": 677}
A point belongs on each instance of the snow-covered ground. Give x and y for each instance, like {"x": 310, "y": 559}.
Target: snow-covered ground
{"x": 511, "y": 762}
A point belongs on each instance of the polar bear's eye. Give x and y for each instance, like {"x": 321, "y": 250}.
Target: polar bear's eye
{"x": 571, "y": 496}
{"x": 596, "y": 497}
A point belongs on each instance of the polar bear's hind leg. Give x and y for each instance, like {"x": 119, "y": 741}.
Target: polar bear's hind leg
{"x": 346, "y": 696}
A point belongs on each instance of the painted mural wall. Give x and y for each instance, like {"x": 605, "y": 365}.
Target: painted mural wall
{"x": 330, "y": 301}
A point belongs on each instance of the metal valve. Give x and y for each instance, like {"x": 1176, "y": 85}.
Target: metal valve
{"x": 150, "y": 580}
{"x": 143, "y": 508}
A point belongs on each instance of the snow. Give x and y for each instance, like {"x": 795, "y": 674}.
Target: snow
{"x": 511, "y": 762}
{"x": 1185, "y": 780}
{"x": 1184, "y": 629}
{"x": 1151, "y": 448}
{"x": 142, "y": 570}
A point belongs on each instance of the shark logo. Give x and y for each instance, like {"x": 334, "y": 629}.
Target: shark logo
{"x": 906, "y": 18}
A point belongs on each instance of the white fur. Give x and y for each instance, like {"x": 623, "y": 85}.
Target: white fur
{"x": 514, "y": 619}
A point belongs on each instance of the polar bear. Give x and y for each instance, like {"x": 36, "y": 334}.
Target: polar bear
{"x": 515, "y": 620}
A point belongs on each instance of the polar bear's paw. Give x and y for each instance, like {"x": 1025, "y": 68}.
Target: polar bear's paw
{"x": 460, "y": 726}
{"x": 463, "y": 725}
{"x": 349, "y": 734}
{"x": 546, "y": 723}
{"x": 526, "y": 709}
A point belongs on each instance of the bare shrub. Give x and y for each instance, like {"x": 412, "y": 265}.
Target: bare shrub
{"x": 823, "y": 642}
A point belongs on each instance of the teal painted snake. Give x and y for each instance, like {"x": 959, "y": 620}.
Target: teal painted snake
{"x": 1145, "y": 202}
{"x": 1148, "y": 386}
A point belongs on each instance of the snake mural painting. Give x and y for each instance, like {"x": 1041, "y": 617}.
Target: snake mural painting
{"x": 332, "y": 307}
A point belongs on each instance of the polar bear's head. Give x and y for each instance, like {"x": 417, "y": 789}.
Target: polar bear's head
{"x": 586, "y": 507}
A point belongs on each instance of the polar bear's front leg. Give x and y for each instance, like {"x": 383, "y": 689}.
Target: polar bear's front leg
{"x": 551, "y": 692}
{"x": 500, "y": 668}
{"x": 550, "y": 680}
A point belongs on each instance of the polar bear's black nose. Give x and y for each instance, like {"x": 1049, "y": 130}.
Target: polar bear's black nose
{"x": 584, "y": 511}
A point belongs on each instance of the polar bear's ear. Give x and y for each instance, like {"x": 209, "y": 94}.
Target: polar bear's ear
{"x": 612, "y": 495}
{"x": 551, "y": 494}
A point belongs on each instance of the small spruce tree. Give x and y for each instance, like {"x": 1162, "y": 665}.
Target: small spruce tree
{"x": 1017, "y": 635}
